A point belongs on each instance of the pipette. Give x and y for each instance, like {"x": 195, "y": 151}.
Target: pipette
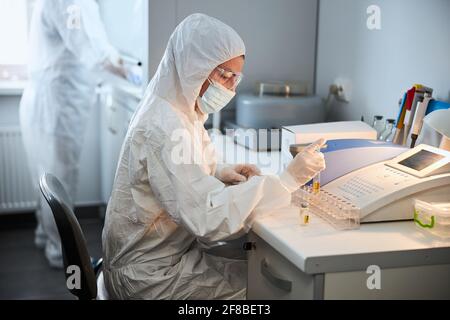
{"x": 421, "y": 91}
{"x": 316, "y": 183}
{"x": 405, "y": 107}
{"x": 131, "y": 60}
{"x": 418, "y": 118}
{"x": 316, "y": 179}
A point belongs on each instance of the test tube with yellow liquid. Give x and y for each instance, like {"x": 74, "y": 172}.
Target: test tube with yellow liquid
{"x": 316, "y": 180}
{"x": 316, "y": 184}
{"x": 304, "y": 216}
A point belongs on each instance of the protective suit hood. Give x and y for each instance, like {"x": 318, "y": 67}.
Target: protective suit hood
{"x": 198, "y": 45}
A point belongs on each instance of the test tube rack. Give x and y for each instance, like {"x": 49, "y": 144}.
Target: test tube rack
{"x": 340, "y": 213}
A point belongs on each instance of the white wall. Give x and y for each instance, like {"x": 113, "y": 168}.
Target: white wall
{"x": 413, "y": 46}
{"x": 126, "y": 24}
{"x": 280, "y": 36}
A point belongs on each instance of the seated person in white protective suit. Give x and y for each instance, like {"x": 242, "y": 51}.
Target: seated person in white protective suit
{"x": 170, "y": 197}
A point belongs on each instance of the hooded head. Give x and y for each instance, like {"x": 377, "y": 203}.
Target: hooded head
{"x": 197, "y": 46}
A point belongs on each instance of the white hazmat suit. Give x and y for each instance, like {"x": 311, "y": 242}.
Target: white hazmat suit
{"x": 162, "y": 211}
{"x": 67, "y": 42}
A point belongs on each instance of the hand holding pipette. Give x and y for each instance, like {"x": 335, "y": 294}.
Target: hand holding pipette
{"x": 307, "y": 163}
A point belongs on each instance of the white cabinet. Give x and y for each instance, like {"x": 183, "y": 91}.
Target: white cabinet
{"x": 117, "y": 108}
{"x": 402, "y": 275}
{"x": 273, "y": 277}
{"x": 88, "y": 189}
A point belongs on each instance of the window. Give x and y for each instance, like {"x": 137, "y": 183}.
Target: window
{"x": 14, "y": 19}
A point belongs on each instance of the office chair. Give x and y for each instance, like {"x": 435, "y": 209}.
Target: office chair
{"x": 75, "y": 252}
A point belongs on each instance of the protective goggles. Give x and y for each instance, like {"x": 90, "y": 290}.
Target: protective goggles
{"x": 227, "y": 78}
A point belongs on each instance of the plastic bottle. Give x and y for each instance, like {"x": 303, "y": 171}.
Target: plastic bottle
{"x": 389, "y": 128}
{"x": 390, "y": 138}
{"x": 378, "y": 125}
{"x": 134, "y": 75}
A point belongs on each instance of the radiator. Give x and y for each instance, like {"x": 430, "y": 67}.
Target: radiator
{"x": 16, "y": 191}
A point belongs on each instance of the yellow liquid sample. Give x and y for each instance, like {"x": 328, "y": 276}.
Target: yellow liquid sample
{"x": 304, "y": 216}
{"x": 306, "y": 219}
{"x": 316, "y": 186}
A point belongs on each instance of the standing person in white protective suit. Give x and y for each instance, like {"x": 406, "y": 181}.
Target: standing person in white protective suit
{"x": 170, "y": 198}
{"x": 67, "y": 42}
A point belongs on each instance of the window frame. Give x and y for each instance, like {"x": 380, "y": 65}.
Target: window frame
{"x": 18, "y": 73}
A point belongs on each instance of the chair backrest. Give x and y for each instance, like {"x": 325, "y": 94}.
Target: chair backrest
{"x": 75, "y": 252}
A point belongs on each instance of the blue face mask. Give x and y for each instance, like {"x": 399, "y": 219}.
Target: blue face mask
{"x": 215, "y": 98}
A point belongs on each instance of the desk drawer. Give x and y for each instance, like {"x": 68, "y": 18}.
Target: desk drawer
{"x": 271, "y": 276}
{"x": 411, "y": 283}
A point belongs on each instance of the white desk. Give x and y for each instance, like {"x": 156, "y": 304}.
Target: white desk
{"x": 318, "y": 262}
{"x": 323, "y": 263}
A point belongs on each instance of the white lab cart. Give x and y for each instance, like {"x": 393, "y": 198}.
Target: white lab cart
{"x": 289, "y": 261}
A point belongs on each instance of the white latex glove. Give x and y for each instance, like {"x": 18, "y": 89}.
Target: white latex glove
{"x": 238, "y": 174}
{"x": 305, "y": 166}
{"x": 116, "y": 66}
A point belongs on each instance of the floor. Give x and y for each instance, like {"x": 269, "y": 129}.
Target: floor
{"x": 24, "y": 272}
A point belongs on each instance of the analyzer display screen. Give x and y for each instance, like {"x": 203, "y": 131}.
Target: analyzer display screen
{"x": 421, "y": 160}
